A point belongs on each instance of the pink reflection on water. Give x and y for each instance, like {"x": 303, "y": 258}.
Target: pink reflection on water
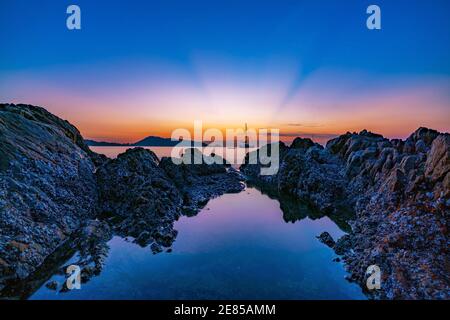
{"x": 248, "y": 219}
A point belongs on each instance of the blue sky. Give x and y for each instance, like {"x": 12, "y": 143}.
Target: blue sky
{"x": 414, "y": 38}
{"x": 176, "y": 41}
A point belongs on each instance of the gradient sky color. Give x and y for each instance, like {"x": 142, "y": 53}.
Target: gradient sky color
{"x": 141, "y": 68}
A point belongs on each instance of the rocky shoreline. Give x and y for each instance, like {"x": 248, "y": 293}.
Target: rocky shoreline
{"x": 56, "y": 193}
{"x": 399, "y": 193}
{"x": 58, "y": 197}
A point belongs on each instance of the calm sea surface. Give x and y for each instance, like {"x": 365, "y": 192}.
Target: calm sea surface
{"x": 238, "y": 247}
{"x": 234, "y": 156}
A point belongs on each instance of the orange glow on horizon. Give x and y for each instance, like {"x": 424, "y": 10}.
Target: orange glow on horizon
{"x": 323, "y": 106}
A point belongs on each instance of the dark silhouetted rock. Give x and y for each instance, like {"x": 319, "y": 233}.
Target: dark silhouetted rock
{"x": 200, "y": 178}
{"x": 47, "y": 187}
{"x": 303, "y": 143}
{"x": 52, "y": 285}
{"x": 399, "y": 192}
{"x": 58, "y": 197}
{"x": 327, "y": 239}
{"x": 138, "y": 197}
{"x": 437, "y": 165}
{"x": 343, "y": 245}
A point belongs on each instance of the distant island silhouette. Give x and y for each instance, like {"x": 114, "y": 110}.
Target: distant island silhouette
{"x": 150, "y": 141}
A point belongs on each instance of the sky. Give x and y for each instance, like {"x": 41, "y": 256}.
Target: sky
{"x": 139, "y": 68}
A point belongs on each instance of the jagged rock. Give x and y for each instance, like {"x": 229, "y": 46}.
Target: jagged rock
{"x": 57, "y": 195}
{"x": 425, "y": 135}
{"x": 446, "y": 188}
{"x": 143, "y": 196}
{"x": 50, "y": 196}
{"x": 316, "y": 181}
{"x": 408, "y": 163}
{"x": 399, "y": 192}
{"x": 311, "y": 174}
{"x": 200, "y": 179}
{"x": 396, "y": 181}
{"x": 303, "y": 143}
{"x": 438, "y": 160}
{"x": 47, "y": 187}
{"x": 251, "y": 166}
{"x": 420, "y": 146}
{"x": 138, "y": 196}
{"x": 392, "y": 222}
{"x": 343, "y": 245}
{"x": 156, "y": 248}
{"x": 327, "y": 239}
{"x": 345, "y": 145}
{"x": 94, "y": 230}
{"x": 52, "y": 285}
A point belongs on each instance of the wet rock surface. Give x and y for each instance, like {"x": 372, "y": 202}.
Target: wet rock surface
{"x": 58, "y": 198}
{"x": 307, "y": 171}
{"x": 326, "y": 238}
{"x": 47, "y": 187}
{"x": 138, "y": 198}
{"x": 399, "y": 193}
{"x": 200, "y": 178}
{"x": 86, "y": 248}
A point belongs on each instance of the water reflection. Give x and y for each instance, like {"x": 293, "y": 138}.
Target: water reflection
{"x": 297, "y": 210}
{"x": 237, "y": 247}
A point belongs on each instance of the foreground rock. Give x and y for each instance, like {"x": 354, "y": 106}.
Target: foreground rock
{"x": 139, "y": 198}
{"x": 47, "y": 187}
{"x": 87, "y": 248}
{"x": 199, "y": 179}
{"x": 326, "y": 238}
{"x": 57, "y": 197}
{"x": 142, "y": 197}
{"x": 399, "y": 192}
{"x": 309, "y": 172}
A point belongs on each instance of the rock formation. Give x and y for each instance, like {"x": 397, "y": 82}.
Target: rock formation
{"x": 47, "y": 187}
{"x": 399, "y": 192}
{"x": 138, "y": 197}
{"x": 57, "y": 197}
{"x": 202, "y": 181}
{"x": 55, "y": 193}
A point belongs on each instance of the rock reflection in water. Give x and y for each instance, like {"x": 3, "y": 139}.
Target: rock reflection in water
{"x": 296, "y": 210}
{"x": 214, "y": 256}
